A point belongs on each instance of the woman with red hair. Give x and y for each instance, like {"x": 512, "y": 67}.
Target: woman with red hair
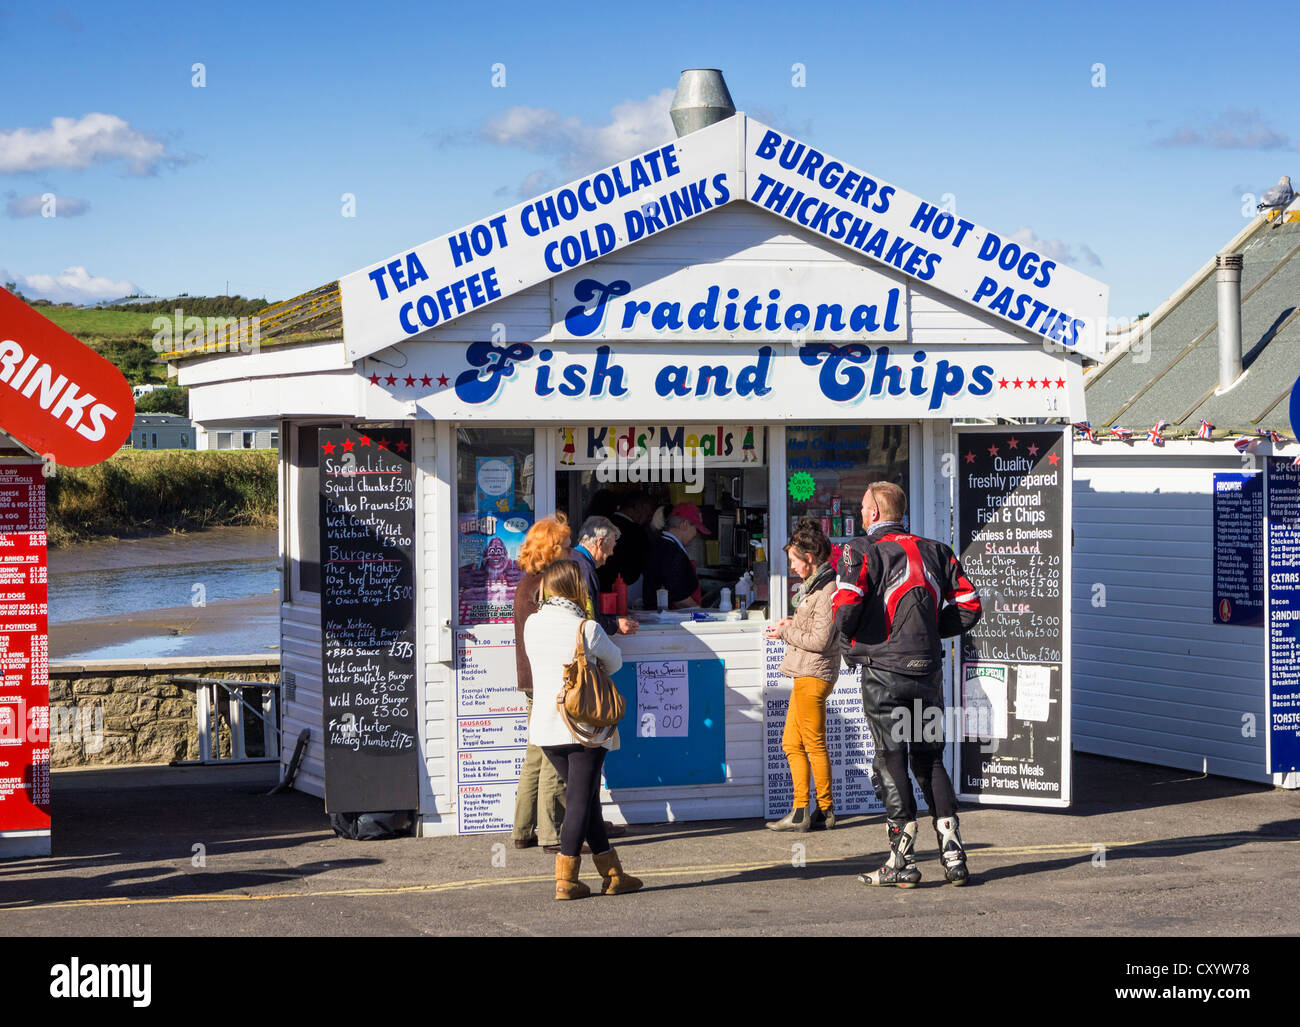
{"x": 539, "y": 804}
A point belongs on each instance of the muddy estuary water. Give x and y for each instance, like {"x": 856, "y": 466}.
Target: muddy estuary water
{"x": 211, "y": 593}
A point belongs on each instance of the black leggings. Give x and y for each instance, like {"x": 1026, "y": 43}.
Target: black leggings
{"x": 579, "y": 769}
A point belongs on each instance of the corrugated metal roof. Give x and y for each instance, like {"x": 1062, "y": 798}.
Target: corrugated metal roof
{"x": 1174, "y": 372}
{"x": 314, "y": 316}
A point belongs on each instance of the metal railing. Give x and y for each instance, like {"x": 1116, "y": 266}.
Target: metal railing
{"x": 208, "y": 695}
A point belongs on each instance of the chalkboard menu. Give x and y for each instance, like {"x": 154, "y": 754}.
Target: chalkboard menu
{"x": 1239, "y": 548}
{"x": 24, "y": 660}
{"x": 1013, "y": 544}
{"x": 367, "y": 541}
{"x": 1283, "y": 644}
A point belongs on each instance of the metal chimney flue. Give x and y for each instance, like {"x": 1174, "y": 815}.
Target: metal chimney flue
{"x": 701, "y": 100}
{"x": 1228, "y": 274}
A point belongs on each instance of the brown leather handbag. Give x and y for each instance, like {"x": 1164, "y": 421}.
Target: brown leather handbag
{"x": 590, "y": 704}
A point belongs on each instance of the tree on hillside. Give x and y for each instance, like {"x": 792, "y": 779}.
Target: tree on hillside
{"x": 164, "y": 401}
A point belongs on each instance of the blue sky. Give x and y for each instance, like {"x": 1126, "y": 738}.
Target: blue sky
{"x": 181, "y": 189}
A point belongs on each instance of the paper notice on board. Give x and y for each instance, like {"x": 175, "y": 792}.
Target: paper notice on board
{"x": 984, "y": 700}
{"x": 662, "y": 699}
{"x": 1033, "y": 692}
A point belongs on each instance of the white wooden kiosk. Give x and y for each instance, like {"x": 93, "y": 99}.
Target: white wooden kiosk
{"x": 736, "y": 296}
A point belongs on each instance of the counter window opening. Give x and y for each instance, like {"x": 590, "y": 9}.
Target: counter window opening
{"x": 628, "y": 473}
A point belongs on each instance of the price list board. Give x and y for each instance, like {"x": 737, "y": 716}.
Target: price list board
{"x": 848, "y": 742}
{"x": 367, "y": 549}
{"x": 491, "y": 729}
{"x": 1239, "y": 549}
{"x": 1282, "y": 561}
{"x": 1013, "y": 507}
{"x": 24, "y": 659}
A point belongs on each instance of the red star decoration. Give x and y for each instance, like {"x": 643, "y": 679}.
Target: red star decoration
{"x": 425, "y": 380}
{"x": 1033, "y": 450}
{"x": 443, "y": 380}
{"x": 1012, "y": 442}
{"x": 382, "y": 443}
{"x": 374, "y": 379}
{"x": 347, "y": 445}
{"x": 328, "y": 447}
{"x": 390, "y": 380}
{"x": 1060, "y": 383}
{"x": 1031, "y": 383}
{"x": 409, "y": 380}
{"x": 1047, "y": 384}
{"x": 1002, "y": 383}
{"x": 1017, "y": 383}
{"x": 365, "y": 440}
{"x": 1053, "y": 459}
{"x": 970, "y": 458}
{"x": 402, "y": 446}
{"x": 993, "y": 450}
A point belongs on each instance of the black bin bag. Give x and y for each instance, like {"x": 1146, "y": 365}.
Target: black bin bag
{"x": 365, "y": 827}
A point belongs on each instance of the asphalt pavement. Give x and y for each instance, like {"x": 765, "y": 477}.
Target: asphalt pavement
{"x": 204, "y": 851}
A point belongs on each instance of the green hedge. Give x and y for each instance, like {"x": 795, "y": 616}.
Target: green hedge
{"x": 139, "y": 493}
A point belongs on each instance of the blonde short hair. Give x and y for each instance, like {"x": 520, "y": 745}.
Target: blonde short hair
{"x": 891, "y": 500}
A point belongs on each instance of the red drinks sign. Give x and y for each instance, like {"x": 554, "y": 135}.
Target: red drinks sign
{"x": 58, "y": 396}
{"x": 24, "y": 652}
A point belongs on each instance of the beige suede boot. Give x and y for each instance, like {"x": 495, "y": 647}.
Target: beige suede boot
{"x": 617, "y": 880}
{"x": 567, "y": 885}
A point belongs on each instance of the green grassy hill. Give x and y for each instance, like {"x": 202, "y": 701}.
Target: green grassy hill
{"x": 125, "y": 337}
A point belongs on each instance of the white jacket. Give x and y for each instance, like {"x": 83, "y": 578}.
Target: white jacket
{"x": 550, "y": 637}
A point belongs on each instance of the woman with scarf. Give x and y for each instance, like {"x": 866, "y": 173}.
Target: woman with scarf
{"x": 812, "y": 658}
{"x": 551, "y": 636}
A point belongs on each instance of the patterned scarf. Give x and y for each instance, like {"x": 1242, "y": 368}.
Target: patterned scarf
{"x": 568, "y": 605}
{"x": 819, "y": 577}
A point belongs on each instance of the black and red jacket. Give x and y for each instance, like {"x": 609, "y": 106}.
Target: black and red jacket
{"x": 896, "y": 596}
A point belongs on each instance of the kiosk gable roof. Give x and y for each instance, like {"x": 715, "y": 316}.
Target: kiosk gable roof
{"x": 1172, "y": 371}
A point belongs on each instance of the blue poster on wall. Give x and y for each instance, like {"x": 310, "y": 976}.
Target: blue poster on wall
{"x": 1282, "y": 535}
{"x": 674, "y": 732}
{"x": 1239, "y": 549}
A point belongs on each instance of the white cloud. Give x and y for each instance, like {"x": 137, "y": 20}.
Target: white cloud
{"x": 578, "y": 147}
{"x": 34, "y": 205}
{"x": 71, "y": 285}
{"x": 1055, "y": 249}
{"x": 81, "y": 142}
{"x": 1231, "y": 129}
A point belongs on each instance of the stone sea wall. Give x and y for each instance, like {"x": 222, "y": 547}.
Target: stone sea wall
{"x": 121, "y": 712}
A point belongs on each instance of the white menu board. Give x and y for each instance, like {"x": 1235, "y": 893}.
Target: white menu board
{"x": 848, "y": 742}
{"x": 491, "y": 729}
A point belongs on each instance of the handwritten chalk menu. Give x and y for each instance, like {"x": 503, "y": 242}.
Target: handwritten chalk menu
{"x": 367, "y": 544}
{"x": 1239, "y": 548}
{"x": 24, "y": 656}
{"x": 491, "y": 728}
{"x": 848, "y": 742}
{"x": 1282, "y": 532}
{"x": 1013, "y": 542}
{"x": 663, "y": 699}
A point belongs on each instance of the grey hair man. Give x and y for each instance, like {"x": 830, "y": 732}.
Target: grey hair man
{"x": 596, "y": 539}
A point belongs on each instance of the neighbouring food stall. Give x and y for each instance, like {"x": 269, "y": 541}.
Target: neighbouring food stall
{"x": 733, "y": 320}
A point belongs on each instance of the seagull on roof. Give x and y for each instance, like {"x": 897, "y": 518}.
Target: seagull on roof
{"x": 1278, "y": 198}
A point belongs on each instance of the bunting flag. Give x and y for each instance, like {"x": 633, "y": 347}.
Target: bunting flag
{"x": 1245, "y": 442}
{"x": 1296, "y": 462}
{"x": 1121, "y": 433}
{"x": 1085, "y": 429}
{"x": 1276, "y": 439}
{"x": 1154, "y": 436}
{"x": 1206, "y": 429}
